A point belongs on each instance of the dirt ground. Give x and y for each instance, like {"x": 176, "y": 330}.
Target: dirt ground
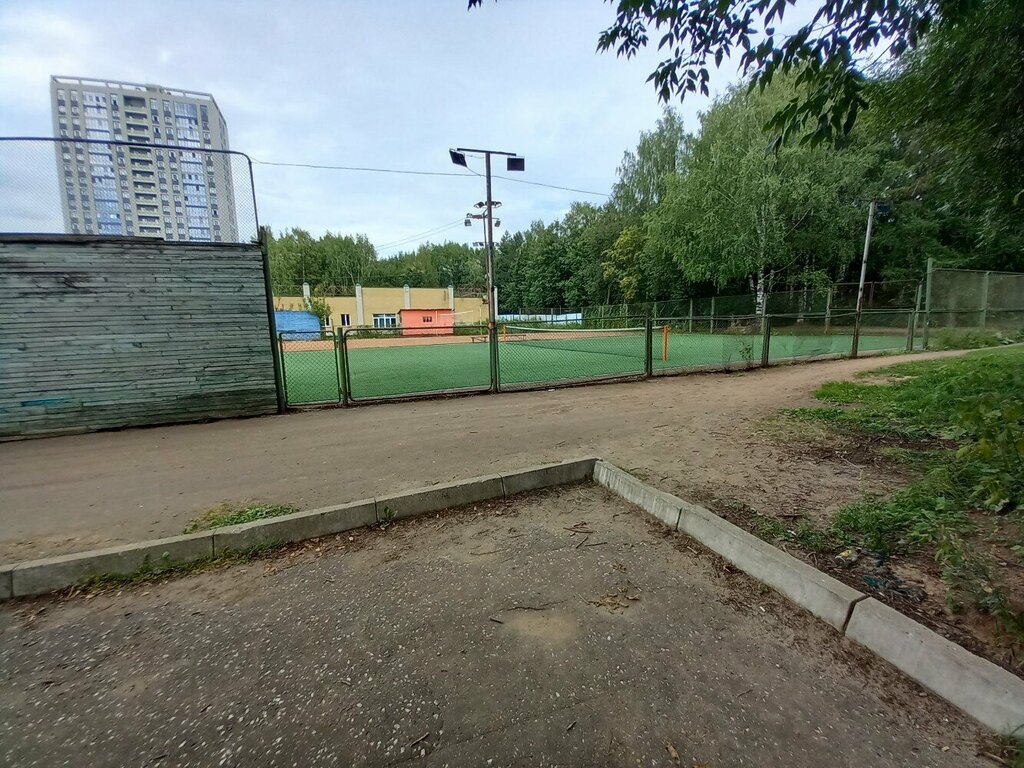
{"x": 696, "y": 436}
{"x": 561, "y": 628}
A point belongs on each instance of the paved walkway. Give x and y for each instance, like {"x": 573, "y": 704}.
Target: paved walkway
{"x": 487, "y": 638}
{"x": 80, "y": 492}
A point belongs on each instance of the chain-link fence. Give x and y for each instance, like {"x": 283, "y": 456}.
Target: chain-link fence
{"x": 402, "y": 362}
{"x": 365, "y": 364}
{"x": 174, "y": 191}
{"x": 547, "y": 353}
{"x": 311, "y": 366}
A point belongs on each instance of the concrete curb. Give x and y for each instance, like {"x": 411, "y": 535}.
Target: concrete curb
{"x": 6, "y": 582}
{"x": 547, "y": 475}
{"x": 979, "y": 688}
{"x": 433, "y": 498}
{"x": 38, "y": 577}
{"x": 300, "y": 526}
{"x": 827, "y": 598}
{"x": 986, "y": 692}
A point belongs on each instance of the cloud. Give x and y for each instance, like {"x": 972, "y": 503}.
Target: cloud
{"x": 372, "y": 84}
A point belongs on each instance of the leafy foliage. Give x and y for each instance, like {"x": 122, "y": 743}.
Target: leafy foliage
{"x": 977, "y": 401}
{"x": 826, "y": 53}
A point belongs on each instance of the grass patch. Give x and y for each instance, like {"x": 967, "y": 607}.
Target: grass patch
{"x": 150, "y": 572}
{"x": 972, "y": 338}
{"x": 805, "y": 535}
{"x": 976, "y": 404}
{"x": 233, "y": 514}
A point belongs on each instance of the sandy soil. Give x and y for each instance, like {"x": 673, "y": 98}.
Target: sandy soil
{"x": 699, "y": 436}
{"x": 555, "y": 629}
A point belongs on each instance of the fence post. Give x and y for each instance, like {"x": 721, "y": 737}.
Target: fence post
{"x": 648, "y": 347}
{"x": 927, "y": 303}
{"x": 276, "y": 351}
{"x": 691, "y": 316}
{"x": 284, "y": 375}
{"x": 339, "y": 365}
{"x": 492, "y": 344}
{"x": 766, "y": 339}
{"x": 913, "y": 318}
{"x": 828, "y": 309}
{"x": 346, "y": 392}
{"x": 712, "y": 314}
{"x": 984, "y": 299}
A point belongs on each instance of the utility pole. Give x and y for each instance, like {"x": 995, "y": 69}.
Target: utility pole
{"x": 872, "y": 209}
{"x": 513, "y": 163}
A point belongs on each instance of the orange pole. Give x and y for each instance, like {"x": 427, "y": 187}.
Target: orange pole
{"x": 664, "y": 343}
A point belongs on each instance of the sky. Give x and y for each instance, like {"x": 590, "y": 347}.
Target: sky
{"x": 363, "y": 83}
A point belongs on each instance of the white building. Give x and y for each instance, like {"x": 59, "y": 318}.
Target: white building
{"x": 164, "y": 192}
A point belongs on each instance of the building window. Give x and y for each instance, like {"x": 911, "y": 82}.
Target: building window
{"x": 428, "y": 319}
{"x": 385, "y": 321}
{"x": 345, "y": 320}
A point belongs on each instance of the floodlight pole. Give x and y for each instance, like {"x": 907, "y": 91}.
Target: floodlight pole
{"x": 458, "y": 157}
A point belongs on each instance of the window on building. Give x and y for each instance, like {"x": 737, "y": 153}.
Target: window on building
{"x": 428, "y": 319}
{"x": 385, "y": 321}
{"x": 345, "y": 320}
{"x": 327, "y": 322}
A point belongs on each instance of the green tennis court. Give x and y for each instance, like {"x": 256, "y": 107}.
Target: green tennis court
{"x": 531, "y": 360}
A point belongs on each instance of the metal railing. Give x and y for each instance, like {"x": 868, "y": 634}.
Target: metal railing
{"x": 173, "y": 191}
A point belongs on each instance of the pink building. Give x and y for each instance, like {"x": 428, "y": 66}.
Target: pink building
{"x": 427, "y": 322}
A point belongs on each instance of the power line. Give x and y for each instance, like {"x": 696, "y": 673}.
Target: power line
{"x": 413, "y": 238}
{"x": 423, "y": 173}
{"x": 537, "y": 183}
{"x": 553, "y": 186}
{"x": 357, "y": 168}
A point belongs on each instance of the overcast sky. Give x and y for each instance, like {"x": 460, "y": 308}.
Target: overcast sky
{"x": 383, "y": 84}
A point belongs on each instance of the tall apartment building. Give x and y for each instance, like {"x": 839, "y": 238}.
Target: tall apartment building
{"x": 118, "y": 189}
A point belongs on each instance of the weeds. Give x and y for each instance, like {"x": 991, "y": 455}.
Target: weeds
{"x": 387, "y": 518}
{"x": 230, "y": 514}
{"x": 154, "y": 572}
{"x": 977, "y": 402}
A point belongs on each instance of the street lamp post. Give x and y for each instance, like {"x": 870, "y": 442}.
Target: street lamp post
{"x": 512, "y": 163}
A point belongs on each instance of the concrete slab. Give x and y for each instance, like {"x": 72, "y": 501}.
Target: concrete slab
{"x": 40, "y": 576}
{"x": 547, "y": 475}
{"x": 989, "y": 694}
{"x": 438, "y": 497}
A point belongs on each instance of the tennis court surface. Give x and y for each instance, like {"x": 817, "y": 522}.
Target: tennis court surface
{"x": 381, "y": 364}
{"x": 490, "y": 636}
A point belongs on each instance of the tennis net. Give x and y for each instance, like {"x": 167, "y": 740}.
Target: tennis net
{"x": 628, "y": 342}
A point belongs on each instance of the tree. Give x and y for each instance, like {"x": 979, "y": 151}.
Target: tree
{"x": 738, "y": 214}
{"x": 956, "y": 108}
{"x": 642, "y": 173}
{"x": 826, "y": 53}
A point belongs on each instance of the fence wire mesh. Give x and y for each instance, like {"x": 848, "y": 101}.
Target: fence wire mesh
{"x": 706, "y": 343}
{"x": 403, "y": 362}
{"x": 175, "y": 191}
{"x": 311, "y": 367}
{"x": 550, "y": 353}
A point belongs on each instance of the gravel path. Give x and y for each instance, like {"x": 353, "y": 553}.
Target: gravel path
{"x": 692, "y": 435}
